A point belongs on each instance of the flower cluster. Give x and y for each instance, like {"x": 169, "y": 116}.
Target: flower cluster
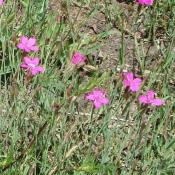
{"x": 97, "y": 96}
{"x": 130, "y": 82}
{"x": 134, "y": 85}
{"x": 30, "y": 64}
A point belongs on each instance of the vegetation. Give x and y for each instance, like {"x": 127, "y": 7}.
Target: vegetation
{"x": 48, "y": 127}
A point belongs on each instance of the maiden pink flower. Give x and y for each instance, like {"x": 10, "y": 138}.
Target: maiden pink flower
{"x": 132, "y": 83}
{"x": 78, "y": 58}
{"x": 31, "y": 65}
{"x": 145, "y": 2}
{"x": 1, "y": 2}
{"x": 98, "y": 97}
{"x": 149, "y": 99}
{"x": 28, "y": 44}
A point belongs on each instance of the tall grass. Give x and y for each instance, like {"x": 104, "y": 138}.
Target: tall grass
{"x": 46, "y": 126}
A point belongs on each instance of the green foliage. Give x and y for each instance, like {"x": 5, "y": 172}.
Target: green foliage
{"x": 46, "y": 125}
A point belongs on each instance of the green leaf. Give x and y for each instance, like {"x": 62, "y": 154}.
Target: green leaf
{"x": 9, "y": 159}
{"x": 95, "y": 82}
{"x": 25, "y": 3}
{"x": 89, "y": 168}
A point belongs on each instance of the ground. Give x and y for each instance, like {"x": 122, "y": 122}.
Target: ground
{"x": 47, "y": 126}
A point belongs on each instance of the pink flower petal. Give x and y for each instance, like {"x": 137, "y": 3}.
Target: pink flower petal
{"x": 78, "y": 58}
{"x": 137, "y": 81}
{"x": 143, "y": 99}
{"x": 37, "y": 70}
{"x": 145, "y": 2}
{"x": 150, "y": 99}
{"x": 1, "y": 2}
{"x": 135, "y": 84}
{"x": 126, "y": 83}
{"x": 128, "y": 78}
{"x": 150, "y": 95}
{"x": 35, "y": 61}
{"x": 34, "y": 72}
{"x": 90, "y": 97}
{"x": 157, "y": 102}
{"x": 131, "y": 82}
{"x": 27, "y": 44}
{"x": 24, "y": 66}
{"x": 98, "y": 93}
{"x": 40, "y": 69}
{"x": 97, "y": 96}
{"x": 31, "y": 41}
{"x": 20, "y": 46}
{"x": 24, "y": 39}
{"x": 30, "y": 64}
{"x": 105, "y": 101}
{"x": 26, "y": 49}
{"x": 27, "y": 60}
{"x": 97, "y": 104}
{"x": 134, "y": 88}
{"x": 34, "y": 48}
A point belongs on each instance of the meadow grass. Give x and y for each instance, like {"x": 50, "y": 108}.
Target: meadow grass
{"x": 46, "y": 125}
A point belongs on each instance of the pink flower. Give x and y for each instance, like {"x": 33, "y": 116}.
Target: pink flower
{"x": 132, "y": 83}
{"x": 31, "y": 65}
{"x": 98, "y": 97}
{"x": 1, "y": 2}
{"x": 78, "y": 58}
{"x": 145, "y": 2}
{"x": 149, "y": 99}
{"x": 28, "y": 44}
